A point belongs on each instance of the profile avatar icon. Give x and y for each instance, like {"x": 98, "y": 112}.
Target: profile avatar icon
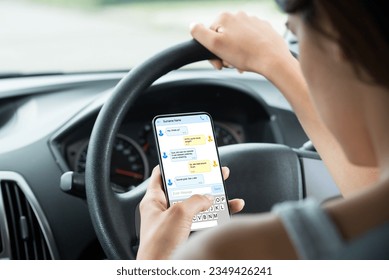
{"x": 164, "y": 155}
{"x": 160, "y": 133}
{"x": 169, "y": 182}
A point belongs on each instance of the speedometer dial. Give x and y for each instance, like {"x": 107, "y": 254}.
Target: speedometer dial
{"x": 129, "y": 166}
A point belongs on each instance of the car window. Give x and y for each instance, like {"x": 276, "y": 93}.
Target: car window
{"x": 96, "y": 35}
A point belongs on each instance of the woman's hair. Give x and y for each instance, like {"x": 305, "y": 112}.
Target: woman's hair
{"x": 362, "y": 31}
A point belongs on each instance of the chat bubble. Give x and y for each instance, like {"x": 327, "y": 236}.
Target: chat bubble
{"x": 183, "y": 154}
{"x": 177, "y": 131}
{"x": 194, "y": 140}
{"x": 199, "y": 166}
{"x": 190, "y": 180}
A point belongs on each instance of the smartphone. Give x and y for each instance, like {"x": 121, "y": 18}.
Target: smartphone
{"x": 189, "y": 162}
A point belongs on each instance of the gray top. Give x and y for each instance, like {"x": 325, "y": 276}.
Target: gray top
{"x": 315, "y": 236}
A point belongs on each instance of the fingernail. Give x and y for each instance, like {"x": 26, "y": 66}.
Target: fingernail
{"x": 192, "y": 25}
{"x": 210, "y": 197}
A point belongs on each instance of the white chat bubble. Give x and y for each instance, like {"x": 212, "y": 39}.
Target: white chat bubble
{"x": 190, "y": 192}
{"x": 183, "y": 154}
{"x": 177, "y": 131}
{"x": 189, "y": 180}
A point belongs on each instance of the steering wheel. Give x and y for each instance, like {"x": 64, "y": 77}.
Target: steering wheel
{"x": 262, "y": 174}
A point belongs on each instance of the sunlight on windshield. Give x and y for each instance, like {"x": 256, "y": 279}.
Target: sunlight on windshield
{"x": 86, "y": 35}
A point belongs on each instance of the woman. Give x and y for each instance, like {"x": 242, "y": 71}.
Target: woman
{"x": 339, "y": 90}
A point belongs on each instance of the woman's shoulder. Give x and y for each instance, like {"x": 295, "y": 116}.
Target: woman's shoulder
{"x": 359, "y": 213}
{"x": 353, "y": 228}
{"x": 311, "y": 230}
{"x": 363, "y": 222}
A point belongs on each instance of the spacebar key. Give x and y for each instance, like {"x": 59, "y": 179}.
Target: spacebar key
{"x": 200, "y": 225}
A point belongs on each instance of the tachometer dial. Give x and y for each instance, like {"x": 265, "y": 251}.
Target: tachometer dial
{"x": 129, "y": 166}
{"x": 224, "y": 136}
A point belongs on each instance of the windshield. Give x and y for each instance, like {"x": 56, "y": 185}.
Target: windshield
{"x": 98, "y": 35}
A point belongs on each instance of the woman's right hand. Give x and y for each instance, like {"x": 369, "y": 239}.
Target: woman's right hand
{"x": 163, "y": 229}
{"x": 244, "y": 42}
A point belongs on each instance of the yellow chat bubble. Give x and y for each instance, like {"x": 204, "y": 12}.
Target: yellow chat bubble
{"x": 194, "y": 140}
{"x": 199, "y": 166}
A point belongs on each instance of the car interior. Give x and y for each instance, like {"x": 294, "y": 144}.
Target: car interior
{"x": 77, "y": 148}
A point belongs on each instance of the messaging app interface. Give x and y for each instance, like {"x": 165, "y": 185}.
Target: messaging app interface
{"x": 191, "y": 166}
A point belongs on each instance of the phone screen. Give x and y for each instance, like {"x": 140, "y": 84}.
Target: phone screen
{"x": 190, "y": 164}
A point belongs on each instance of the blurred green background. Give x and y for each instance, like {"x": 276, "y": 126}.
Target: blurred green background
{"x": 92, "y": 35}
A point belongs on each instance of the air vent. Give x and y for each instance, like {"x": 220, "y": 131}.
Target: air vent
{"x": 26, "y": 238}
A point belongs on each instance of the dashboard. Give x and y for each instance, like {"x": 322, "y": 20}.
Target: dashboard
{"x": 45, "y": 126}
{"x": 239, "y": 118}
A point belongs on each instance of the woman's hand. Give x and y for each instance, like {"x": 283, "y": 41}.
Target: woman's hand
{"x": 163, "y": 229}
{"x": 244, "y": 42}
